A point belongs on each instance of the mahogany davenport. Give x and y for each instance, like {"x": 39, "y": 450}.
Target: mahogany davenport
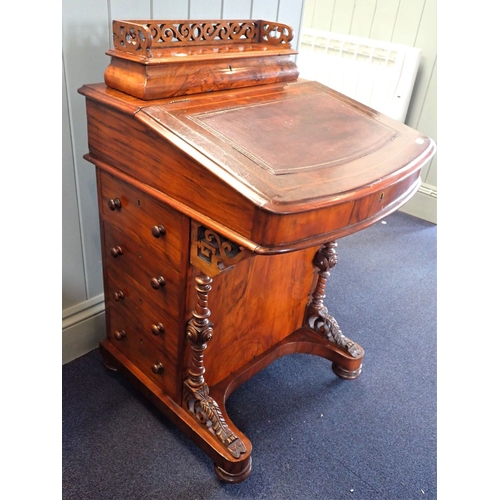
{"x": 220, "y": 212}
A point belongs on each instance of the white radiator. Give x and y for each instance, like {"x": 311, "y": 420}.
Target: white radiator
{"x": 376, "y": 73}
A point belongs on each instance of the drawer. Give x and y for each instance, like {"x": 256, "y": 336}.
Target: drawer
{"x": 371, "y": 205}
{"x": 126, "y": 259}
{"x": 122, "y": 250}
{"x": 160, "y": 329}
{"x": 145, "y": 220}
{"x": 140, "y": 297}
{"x": 137, "y": 346}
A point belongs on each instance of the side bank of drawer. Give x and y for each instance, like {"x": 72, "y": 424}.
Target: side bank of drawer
{"x": 145, "y": 275}
{"x": 137, "y": 345}
{"x": 144, "y": 219}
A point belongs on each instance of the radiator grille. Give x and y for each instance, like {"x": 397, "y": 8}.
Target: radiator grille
{"x": 376, "y": 73}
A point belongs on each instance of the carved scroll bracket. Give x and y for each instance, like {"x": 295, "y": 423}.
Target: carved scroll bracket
{"x": 196, "y": 392}
{"x": 317, "y": 316}
{"x": 211, "y": 253}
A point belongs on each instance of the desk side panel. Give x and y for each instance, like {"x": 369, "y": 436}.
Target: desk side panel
{"x": 119, "y": 140}
{"x": 255, "y": 305}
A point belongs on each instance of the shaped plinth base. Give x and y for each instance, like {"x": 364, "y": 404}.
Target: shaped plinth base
{"x": 303, "y": 340}
{"x": 227, "y": 467}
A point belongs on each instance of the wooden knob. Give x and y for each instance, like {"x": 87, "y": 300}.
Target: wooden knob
{"x": 157, "y": 329}
{"x": 158, "y": 230}
{"x": 119, "y": 334}
{"x": 157, "y": 283}
{"x": 116, "y": 251}
{"x": 115, "y": 204}
{"x": 158, "y": 368}
{"x": 118, "y": 295}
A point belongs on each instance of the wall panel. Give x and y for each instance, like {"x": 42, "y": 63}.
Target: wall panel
{"x": 265, "y": 9}
{"x": 362, "y": 18}
{"x": 237, "y": 9}
{"x": 319, "y": 14}
{"x": 201, "y": 9}
{"x": 170, "y": 9}
{"x": 85, "y": 38}
{"x": 290, "y": 12}
{"x": 73, "y": 276}
{"x": 343, "y": 14}
{"x": 129, "y": 9}
{"x": 384, "y": 20}
{"x": 407, "y": 22}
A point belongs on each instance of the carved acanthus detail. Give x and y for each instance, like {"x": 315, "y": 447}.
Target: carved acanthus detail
{"x": 212, "y": 253}
{"x": 199, "y": 331}
{"x": 317, "y": 316}
{"x": 208, "y": 413}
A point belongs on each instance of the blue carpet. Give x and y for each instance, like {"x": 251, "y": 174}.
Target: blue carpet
{"x": 314, "y": 435}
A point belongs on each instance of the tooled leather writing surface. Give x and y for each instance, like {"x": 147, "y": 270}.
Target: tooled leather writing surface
{"x": 306, "y": 132}
{"x": 296, "y": 146}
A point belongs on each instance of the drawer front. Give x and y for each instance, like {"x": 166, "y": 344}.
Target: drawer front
{"x": 371, "y": 205}
{"x": 137, "y": 346}
{"x": 143, "y": 273}
{"x": 143, "y": 219}
{"x": 124, "y": 290}
{"x": 156, "y": 324}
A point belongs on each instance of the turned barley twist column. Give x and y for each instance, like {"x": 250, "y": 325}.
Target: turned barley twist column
{"x": 317, "y": 316}
{"x": 212, "y": 255}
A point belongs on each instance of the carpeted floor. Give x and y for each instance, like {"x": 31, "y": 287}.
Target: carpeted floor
{"x": 314, "y": 435}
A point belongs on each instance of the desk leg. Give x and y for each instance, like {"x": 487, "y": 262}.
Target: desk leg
{"x": 318, "y": 318}
{"x": 196, "y": 392}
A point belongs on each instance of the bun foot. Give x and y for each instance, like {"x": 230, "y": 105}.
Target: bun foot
{"x": 108, "y": 360}
{"x": 346, "y": 374}
{"x": 109, "y": 367}
{"x": 229, "y": 477}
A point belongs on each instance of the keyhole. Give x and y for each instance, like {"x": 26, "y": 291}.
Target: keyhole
{"x": 381, "y": 197}
{"x": 138, "y": 203}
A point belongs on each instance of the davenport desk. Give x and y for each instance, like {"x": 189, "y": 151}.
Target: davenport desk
{"x": 224, "y": 182}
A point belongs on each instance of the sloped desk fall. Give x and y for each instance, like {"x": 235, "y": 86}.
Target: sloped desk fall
{"x": 219, "y": 219}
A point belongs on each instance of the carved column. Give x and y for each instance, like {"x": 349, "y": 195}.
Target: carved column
{"x": 199, "y": 331}
{"x": 317, "y": 316}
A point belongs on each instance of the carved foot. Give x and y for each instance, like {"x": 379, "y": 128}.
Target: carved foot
{"x": 232, "y": 477}
{"x": 198, "y": 401}
{"x": 317, "y": 317}
{"x": 325, "y": 324}
{"x": 346, "y": 374}
{"x": 207, "y": 412}
{"x": 110, "y": 367}
{"x": 109, "y": 364}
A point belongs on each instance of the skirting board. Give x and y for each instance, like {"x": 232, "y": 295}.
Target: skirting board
{"x": 423, "y": 205}
{"x": 83, "y": 327}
